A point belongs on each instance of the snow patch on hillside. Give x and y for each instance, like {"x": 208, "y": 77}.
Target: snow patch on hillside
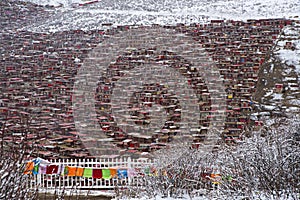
{"x": 291, "y": 55}
{"x": 65, "y": 3}
{"x": 147, "y": 12}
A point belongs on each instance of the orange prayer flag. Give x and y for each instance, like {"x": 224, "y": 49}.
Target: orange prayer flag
{"x": 29, "y": 167}
{"x": 113, "y": 172}
{"x": 215, "y": 175}
{"x": 71, "y": 171}
{"x": 79, "y": 171}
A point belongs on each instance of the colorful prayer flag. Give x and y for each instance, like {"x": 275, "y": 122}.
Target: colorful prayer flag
{"x": 122, "y": 173}
{"x": 88, "y": 173}
{"x": 113, "y": 172}
{"x": 29, "y": 167}
{"x": 71, "y": 171}
{"x": 97, "y": 173}
{"x": 79, "y": 171}
{"x": 35, "y": 170}
{"x": 106, "y": 174}
{"x": 132, "y": 172}
{"x": 52, "y": 169}
{"x": 42, "y": 169}
{"x": 147, "y": 170}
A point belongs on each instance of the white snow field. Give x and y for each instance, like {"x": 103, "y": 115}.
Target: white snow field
{"x": 92, "y": 14}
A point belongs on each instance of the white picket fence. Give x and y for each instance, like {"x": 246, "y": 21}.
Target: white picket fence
{"x": 60, "y": 182}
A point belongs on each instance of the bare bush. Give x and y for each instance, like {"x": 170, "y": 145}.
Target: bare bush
{"x": 13, "y": 181}
{"x": 178, "y": 172}
{"x": 264, "y": 166}
{"x": 267, "y": 164}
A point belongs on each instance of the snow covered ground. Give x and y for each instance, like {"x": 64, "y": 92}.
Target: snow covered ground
{"x": 104, "y": 193}
{"x": 65, "y": 3}
{"x": 291, "y": 56}
{"x": 146, "y": 12}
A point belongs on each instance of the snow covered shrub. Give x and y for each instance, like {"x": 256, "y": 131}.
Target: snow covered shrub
{"x": 13, "y": 154}
{"x": 179, "y": 172}
{"x": 13, "y": 181}
{"x": 266, "y": 165}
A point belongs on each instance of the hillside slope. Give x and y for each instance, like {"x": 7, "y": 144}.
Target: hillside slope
{"x": 71, "y": 15}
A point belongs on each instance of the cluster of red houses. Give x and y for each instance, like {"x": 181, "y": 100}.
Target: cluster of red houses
{"x": 38, "y": 72}
{"x": 239, "y": 49}
{"x": 18, "y": 14}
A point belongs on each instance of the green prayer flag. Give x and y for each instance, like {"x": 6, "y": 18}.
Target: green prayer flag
{"x": 88, "y": 173}
{"x": 147, "y": 170}
{"x": 106, "y": 174}
{"x": 66, "y": 171}
{"x": 35, "y": 169}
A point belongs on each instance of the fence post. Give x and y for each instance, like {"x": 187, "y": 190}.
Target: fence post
{"x": 129, "y": 168}
{"x": 38, "y": 177}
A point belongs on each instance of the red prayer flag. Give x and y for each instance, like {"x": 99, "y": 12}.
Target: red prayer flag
{"x": 97, "y": 173}
{"x": 52, "y": 169}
